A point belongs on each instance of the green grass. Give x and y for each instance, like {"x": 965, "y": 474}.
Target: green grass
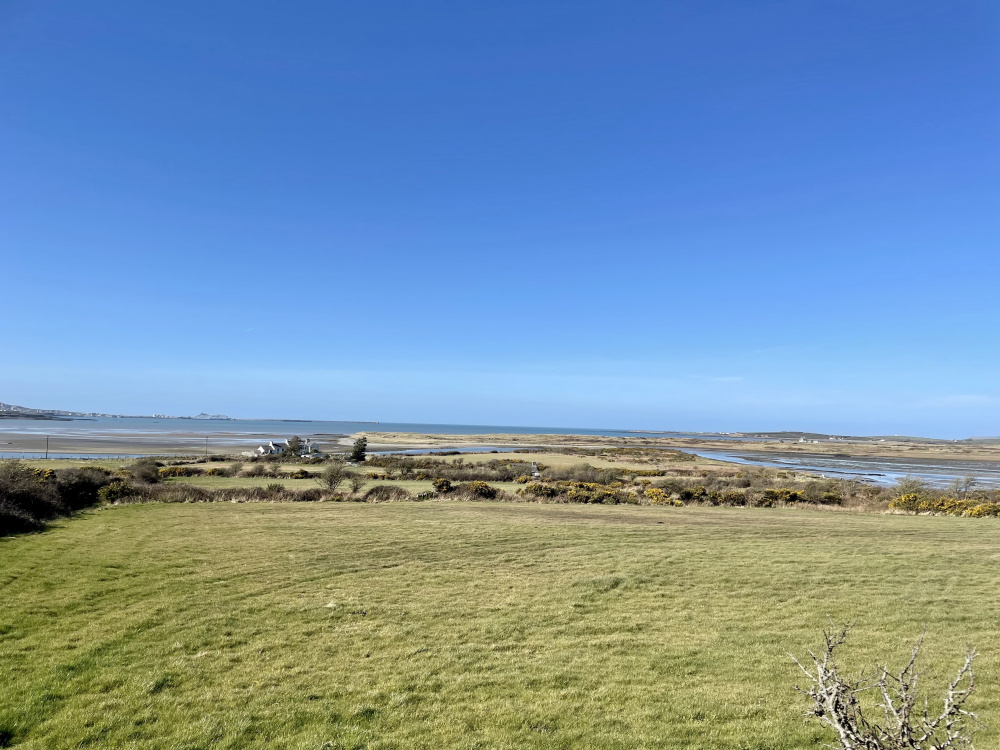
{"x": 469, "y": 625}
{"x": 218, "y": 483}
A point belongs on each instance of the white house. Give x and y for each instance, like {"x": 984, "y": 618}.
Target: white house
{"x": 270, "y": 449}
{"x": 309, "y": 448}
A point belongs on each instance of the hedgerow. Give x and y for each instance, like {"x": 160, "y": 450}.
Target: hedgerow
{"x": 31, "y": 497}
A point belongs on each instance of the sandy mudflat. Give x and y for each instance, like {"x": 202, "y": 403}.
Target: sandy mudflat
{"x": 857, "y": 448}
{"x": 863, "y": 454}
{"x": 100, "y": 443}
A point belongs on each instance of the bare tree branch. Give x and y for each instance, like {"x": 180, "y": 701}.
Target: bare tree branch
{"x": 836, "y": 704}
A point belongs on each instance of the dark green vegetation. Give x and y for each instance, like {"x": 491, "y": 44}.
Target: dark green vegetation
{"x": 609, "y": 476}
{"x": 359, "y": 450}
{"x": 31, "y": 497}
{"x": 471, "y": 625}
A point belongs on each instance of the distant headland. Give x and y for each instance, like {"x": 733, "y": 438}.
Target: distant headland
{"x": 12, "y": 411}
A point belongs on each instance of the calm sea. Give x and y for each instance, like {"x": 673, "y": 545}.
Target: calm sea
{"x": 257, "y": 428}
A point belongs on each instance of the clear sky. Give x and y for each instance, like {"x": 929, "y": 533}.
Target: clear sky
{"x": 697, "y": 215}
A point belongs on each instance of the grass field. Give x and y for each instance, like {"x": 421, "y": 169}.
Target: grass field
{"x": 469, "y": 625}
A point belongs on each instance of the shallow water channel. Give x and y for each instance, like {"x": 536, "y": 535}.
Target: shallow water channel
{"x": 874, "y": 470}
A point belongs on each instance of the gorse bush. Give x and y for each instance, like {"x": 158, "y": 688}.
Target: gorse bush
{"x": 983, "y": 510}
{"x": 908, "y": 502}
{"x": 783, "y": 495}
{"x": 577, "y": 492}
{"x": 945, "y": 506}
{"x": 539, "y": 490}
{"x": 116, "y": 492}
{"x": 477, "y": 489}
{"x": 657, "y": 496}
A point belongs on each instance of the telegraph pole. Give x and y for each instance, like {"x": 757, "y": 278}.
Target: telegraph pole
{"x": 46, "y": 446}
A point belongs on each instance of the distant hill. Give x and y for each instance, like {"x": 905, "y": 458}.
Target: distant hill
{"x": 12, "y": 411}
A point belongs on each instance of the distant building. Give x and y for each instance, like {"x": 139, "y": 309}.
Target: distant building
{"x": 309, "y": 448}
{"x": 270, "y": 449}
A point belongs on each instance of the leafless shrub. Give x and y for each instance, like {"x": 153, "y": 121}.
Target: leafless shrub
{"x": 962, "y": 486}
{"x": 910, "y": 485}
{"x": 333, "y": 476}
{"x": 904, "y": 721}
{"x": 357, "y": 482}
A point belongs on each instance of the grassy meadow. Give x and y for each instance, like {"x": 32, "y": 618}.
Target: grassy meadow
{"x": 469, "y": 625}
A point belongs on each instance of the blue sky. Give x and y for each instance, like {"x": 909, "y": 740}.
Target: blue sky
{"x": 665, "y": 215}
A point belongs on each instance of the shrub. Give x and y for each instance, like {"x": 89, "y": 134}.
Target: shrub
{"x": 948, "y": 506}
{"x": 116, "y": 492}
{"x": 16, "y": 521}
{"x": 442, "y": 485}
{"x": 657, "y": 496}
{"x": 908, "y": 502}
{"x": 28, "y": 493}
{"x": 984, "y": 510}
{"x": 145, "y": 470}
{"x": 539, "y": 490}
{"x": 333, "y": 476}
{"x": 30, "y": 497}
{"x": 299, "y": 474}
{"x": 357, "y": 483}
{"x": 735, "y": 498}
{"x": 591, "y": 492}
{"x": 313, "y": 495}
{"x": 385, "y": 493}
{"x": 274, "y": 488}
{"x": 478, "y": 489}
{"x": 783, "y": 495}
{"x": 181, "y": 471}
{"x": 78, "y": 488}
{"x": 693, "y": 494}
{"x": 523, "y": 479}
